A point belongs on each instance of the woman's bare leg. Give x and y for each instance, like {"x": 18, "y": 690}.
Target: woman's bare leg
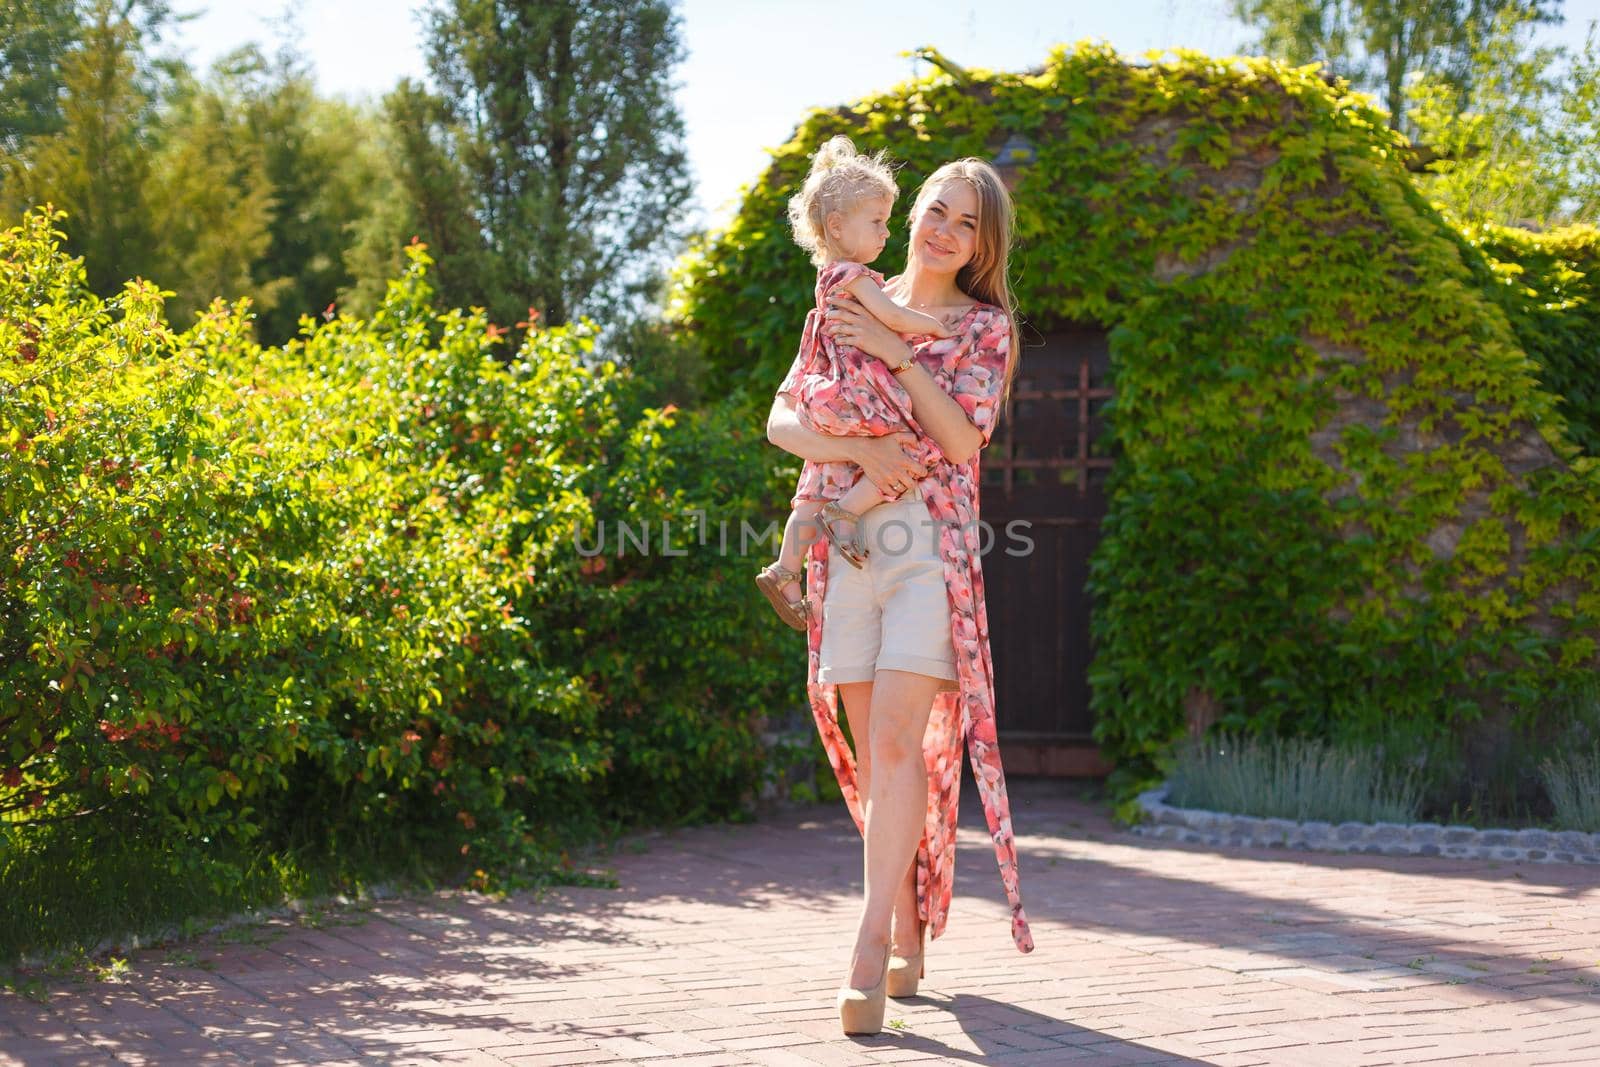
{"x": 857, "y": 698}
{"x": 895, "y": 808}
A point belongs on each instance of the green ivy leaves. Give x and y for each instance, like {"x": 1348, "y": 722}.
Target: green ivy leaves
{"x": 1318, "y": 380}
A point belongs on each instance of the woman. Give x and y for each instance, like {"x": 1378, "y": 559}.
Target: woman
{"x": 912, "y": 691}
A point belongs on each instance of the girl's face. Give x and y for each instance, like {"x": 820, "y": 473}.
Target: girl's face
{"x": 945, "y": 235}
{"x": 861, "y": 232}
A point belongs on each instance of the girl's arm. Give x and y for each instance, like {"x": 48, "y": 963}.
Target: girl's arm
{"x": 897, "y": 318}
{"x": 940, "y": 417}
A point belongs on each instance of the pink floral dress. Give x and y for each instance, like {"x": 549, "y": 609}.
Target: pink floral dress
{"x": 841, "y": 391}
{"x": 970, "y": 367}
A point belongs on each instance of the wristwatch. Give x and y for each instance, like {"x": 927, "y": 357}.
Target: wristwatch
{"x": 910, "y": 361}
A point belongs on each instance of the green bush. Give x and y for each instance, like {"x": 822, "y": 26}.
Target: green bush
{"x": 332, "y": 590}
{"x": 1290, "y": 778}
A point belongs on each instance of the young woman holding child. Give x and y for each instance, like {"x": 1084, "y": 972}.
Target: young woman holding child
{"x": 891, "y": 428}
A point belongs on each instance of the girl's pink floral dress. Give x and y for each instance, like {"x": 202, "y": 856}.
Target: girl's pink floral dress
{"x": 970, "y": 367}
{"x": 841, "y": 391}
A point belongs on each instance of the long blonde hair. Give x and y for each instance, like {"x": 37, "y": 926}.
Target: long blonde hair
{"x": 985, "y": 277}
{"x": 840, "y": 177}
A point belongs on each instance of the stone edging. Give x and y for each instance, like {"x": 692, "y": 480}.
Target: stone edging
{"x": 1199, "y": 827}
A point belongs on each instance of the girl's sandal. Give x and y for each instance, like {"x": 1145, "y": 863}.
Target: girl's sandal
{"x": 850, "y": 547}
{"x": 770, "y": 580}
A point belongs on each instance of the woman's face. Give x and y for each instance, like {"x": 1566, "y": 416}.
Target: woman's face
{"x": 945, "y": 235}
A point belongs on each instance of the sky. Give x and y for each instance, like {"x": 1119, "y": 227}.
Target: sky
{"x": 755, "y": 66}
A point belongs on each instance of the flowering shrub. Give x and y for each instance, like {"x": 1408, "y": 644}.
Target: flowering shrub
{"x": 243, "y": 588}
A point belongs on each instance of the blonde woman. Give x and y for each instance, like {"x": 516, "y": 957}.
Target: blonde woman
{"x": 904, "y": 640}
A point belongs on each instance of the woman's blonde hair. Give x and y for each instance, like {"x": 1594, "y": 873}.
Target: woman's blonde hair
{"x": 985, "y": 277}
{"x": 840, "y": 177}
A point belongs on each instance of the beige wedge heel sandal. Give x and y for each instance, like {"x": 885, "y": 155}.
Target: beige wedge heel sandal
{"x": 861, "y": 1010}
{"x": 904, "y": 971}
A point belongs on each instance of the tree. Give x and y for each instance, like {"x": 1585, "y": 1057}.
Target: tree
{"x": 243, "y": 184}
{"x": 1525, "y": 147}
{"x": 209, "y": 197}
{"x": 320, "y": 158}
{"x": 95, "y": 162}
{"x": 1580, "y": 117}
{"x": 572, "y": 142}
{"x": 34, "y": 35}
{"x": 421, "y": 191}
{"x": 1378, "y": 44}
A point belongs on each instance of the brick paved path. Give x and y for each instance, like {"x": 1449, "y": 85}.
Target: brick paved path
{"x": 725, "y": 944}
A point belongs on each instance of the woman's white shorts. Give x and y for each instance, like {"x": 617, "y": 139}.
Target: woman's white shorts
{"x": 893, "y": 614}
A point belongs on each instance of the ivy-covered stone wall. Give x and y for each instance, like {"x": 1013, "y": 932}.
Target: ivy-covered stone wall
{"x": 1347, "y": 500}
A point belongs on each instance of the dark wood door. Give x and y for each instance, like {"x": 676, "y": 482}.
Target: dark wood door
{"x": 1043, "y": 495}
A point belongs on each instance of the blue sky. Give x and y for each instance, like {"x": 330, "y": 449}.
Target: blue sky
{"x": 755, "y": 66}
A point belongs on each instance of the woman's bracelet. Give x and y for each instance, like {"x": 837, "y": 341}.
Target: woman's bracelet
{"x": 905, "y": 365}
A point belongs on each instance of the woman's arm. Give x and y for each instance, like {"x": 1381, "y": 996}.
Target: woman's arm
{"x": 881, "y": 459}
{"x": 785, "y": 431}
{"x": 941, "y": 418}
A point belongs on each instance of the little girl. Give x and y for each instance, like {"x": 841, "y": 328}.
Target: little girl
{"x": 840, "y": 216}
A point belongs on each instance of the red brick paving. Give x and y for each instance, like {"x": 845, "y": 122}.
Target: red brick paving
{"x": 725, "y": 944}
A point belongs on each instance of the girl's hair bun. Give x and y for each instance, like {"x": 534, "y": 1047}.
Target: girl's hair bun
{"x": 840, "y": 177}
{"x": 835, "y": 151}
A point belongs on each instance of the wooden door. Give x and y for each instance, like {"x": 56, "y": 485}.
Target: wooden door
{"x": 1043, "y": 495}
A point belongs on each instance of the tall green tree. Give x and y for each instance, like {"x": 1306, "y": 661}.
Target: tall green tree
{"x": 420, "y": 190}
{"x": 1580, "y": 114}
{"x": 209, "y": 196}
{"x": 244, "y": 183}
{"x": 95, "y": 163}
{"x": 34, "y": 36}
{"x": 1525, "y": 148}
{"x": 1379, "y": 44}
{"x": 319, "y": 157}
{"x": 572, "y": 142}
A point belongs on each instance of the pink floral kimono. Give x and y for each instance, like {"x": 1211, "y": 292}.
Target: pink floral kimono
{"x": 970, "y": 367}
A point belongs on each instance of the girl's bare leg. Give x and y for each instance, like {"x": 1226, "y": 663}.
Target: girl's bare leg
{"x": 896, "y": 806}
{"x": 860, "y": 499}
{"x": 798, "y": 533}
{"x": 863, "y": 497}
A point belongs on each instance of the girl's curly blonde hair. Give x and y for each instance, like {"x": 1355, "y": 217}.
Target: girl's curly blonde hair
{"x": 840, "y": 177}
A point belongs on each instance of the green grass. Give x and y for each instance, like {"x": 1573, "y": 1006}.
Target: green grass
{"x": 74, "y": 893}
{"x": 1290, "y": 778}
{"x": 1573, "y": 784}
{"x": 68, "y": 890}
